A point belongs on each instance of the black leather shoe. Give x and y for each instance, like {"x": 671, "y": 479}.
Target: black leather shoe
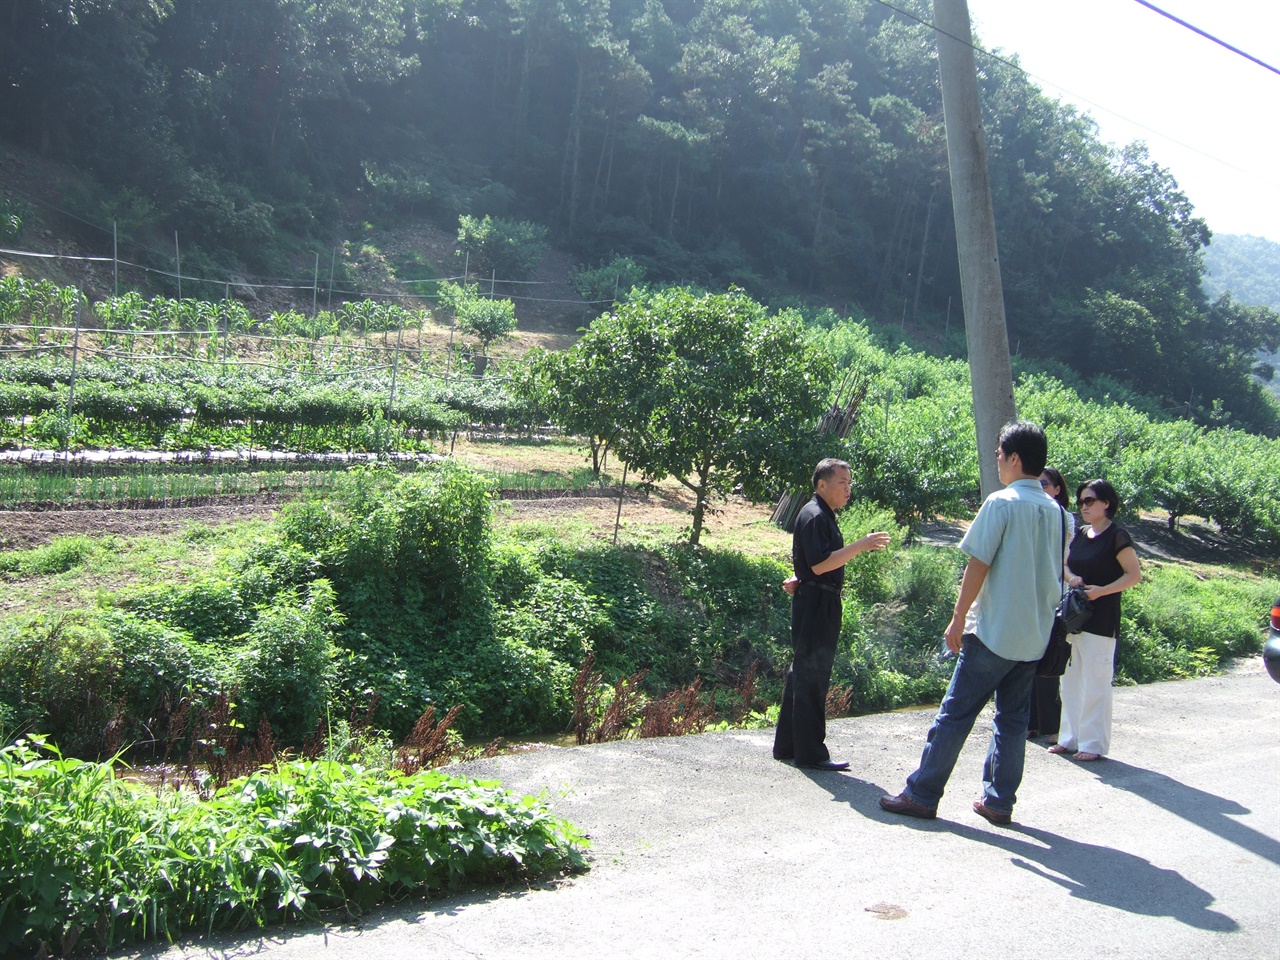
{"x": 825, "y": 765}
{"x": 907, "y": 807}
{"x": 992, "y": 816}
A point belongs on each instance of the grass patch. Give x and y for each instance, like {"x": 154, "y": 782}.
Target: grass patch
{"x": 73, "y": 572}
{"x": 418, "y": 275}
{"x": 1182, "y": 622}
{"x": 60, "y": 556}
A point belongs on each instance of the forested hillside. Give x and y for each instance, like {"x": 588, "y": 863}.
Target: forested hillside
{"x": 1247, "y": 267}
{"x": 792, "y": 147}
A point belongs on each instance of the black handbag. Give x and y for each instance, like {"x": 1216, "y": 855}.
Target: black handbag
{"x": 1074, "y": 610}
{"x": 1057, "y": 654}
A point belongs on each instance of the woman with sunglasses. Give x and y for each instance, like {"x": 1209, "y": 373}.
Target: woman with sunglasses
{"x": 1103, "y": 561}
{"x": 1045, "y": 705}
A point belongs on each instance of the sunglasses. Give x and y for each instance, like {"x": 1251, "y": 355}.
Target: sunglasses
{"x": 1047, "y": 483}
{"x": 1087, "y": 502}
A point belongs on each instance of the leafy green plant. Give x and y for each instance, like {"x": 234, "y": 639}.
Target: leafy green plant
{"x": 511, "y": 248}
{"x": 58, "y": 556}
{"x": 285, "y": 671}
{"x": 14, "y": 215}
{"x": 607, "y": 282}
{"x": 93, "y": 861}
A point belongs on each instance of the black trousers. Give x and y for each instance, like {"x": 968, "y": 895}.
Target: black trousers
{"x": 1046, "y": 707}
{"x": 802, "y": 718}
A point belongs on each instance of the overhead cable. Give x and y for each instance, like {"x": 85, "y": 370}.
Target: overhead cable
{"x": 1208, "y": 36}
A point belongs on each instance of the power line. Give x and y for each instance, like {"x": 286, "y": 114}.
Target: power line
{"x": 1208, "y": 36}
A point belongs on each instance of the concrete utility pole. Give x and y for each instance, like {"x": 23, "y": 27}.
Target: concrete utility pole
{"x": 984, "y": 321}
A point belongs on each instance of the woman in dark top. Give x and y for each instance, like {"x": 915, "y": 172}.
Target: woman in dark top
{"x": 1103, "y": 561}
{"x": 1045, "y": 706}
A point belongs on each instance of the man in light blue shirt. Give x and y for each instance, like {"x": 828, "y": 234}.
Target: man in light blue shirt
{"x": 1000, "y": 627}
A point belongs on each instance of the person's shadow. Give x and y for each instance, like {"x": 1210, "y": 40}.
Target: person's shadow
{"x": 1088, "y": 871}
{"x": 1106, "y": 876}
{"x": 1207, "y": 811}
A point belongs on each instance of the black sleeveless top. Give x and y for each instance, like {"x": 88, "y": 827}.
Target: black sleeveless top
{"x": 1094, "y": 559}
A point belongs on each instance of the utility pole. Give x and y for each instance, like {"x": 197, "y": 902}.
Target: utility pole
{"x": 983, "y": 297}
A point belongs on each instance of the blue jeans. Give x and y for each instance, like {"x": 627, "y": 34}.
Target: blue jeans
{"x": 978, "y": 675}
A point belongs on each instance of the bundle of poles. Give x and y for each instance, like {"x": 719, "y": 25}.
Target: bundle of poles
{"x": 838, "y": 421}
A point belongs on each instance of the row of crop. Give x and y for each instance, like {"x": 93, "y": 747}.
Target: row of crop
{"x": 44, "y": 304}
{"x": 913, "y": 448}
{"x": 195, "y": 406}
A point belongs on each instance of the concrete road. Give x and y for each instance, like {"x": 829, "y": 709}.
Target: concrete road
{"x": 706, "y": 847}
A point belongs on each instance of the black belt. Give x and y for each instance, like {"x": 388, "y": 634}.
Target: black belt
{"x": 823, "y": 586}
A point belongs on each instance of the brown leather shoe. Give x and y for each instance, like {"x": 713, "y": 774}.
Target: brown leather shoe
{"x": 992, "y": 816}
{"x": 907, "y": 807}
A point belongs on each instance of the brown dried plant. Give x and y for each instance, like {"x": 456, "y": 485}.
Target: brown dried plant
{"x": 429, "y": 744}
{"x": 679, "y": 713}
{"x": 594, "y": 723}
{"x": 219, "y": 752}
{"x": 839, "y": 701}
{"x": 746, "y": 690}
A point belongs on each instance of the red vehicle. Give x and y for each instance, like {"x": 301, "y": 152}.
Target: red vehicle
{"x": 1271, "y": 652}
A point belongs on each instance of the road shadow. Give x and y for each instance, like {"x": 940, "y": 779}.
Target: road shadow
{"x": 860, "y": 795}
{"x": 1207, "y": 811}
{"x": 1088, "y": 871}
{"x": 334, "y": 926}
{"x": 1105, "y": 876}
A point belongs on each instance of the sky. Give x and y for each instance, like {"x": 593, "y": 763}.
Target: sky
{"x": 1208, "y": 115}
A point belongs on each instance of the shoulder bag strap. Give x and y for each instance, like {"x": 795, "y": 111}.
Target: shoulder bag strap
{"x": 1062, "y": 556}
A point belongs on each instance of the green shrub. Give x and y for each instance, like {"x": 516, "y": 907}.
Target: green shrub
{"x": 92, "y": 862}
{"x": 97, "y": 682}
{"x": 869, "y": 575}
{"x": 894, "y": 656}
{"x": 607, "y": 282}
{"x": 285, "y": 670}
{"x": 390, "y": 542}
{"x": 512, "y": 248}
{"x": 210, "y": 610}
{"x": 651, "y": 626}
{"x": 1187, "y": 624}
{"x": 58, "y": 556}
{"x": 555, "y": 615}
{"x": 60, "y": 675}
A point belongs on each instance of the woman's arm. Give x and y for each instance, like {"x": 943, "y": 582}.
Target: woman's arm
{"x": 1070, "y": 578}
{"x": 1128, "y": 560}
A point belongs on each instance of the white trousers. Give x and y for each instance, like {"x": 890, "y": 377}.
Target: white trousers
{"x": 1086, "y": 694}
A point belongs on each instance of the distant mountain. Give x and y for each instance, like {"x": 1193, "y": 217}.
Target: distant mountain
{"x": 1247, "y": 267}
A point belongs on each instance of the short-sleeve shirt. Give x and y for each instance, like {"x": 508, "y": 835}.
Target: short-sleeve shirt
{"x": 1094, "y": 560}
{"x": 816, "y": 537}
{"x": 1018, "y": 534}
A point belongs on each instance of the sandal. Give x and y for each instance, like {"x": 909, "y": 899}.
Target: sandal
{"x": 1059, "y": 748}
{"x": 1086, "y": 757}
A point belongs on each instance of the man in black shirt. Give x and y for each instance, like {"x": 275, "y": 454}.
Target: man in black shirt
{"x": 818, "y": 556}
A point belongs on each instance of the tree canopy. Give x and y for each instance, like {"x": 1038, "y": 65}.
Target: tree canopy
{"x": 707, "y": 388}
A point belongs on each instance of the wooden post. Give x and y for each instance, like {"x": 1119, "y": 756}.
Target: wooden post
{"x": 990, "y": 372}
